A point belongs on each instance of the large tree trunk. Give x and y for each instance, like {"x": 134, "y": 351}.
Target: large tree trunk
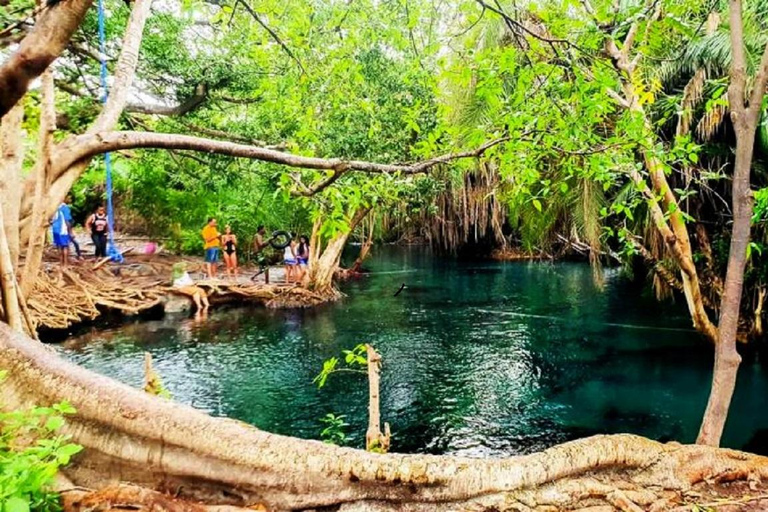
{"x": 326, "y": 263}
{"x": 36, "y": 244}
{"x": 744, "y": 118}
{"x": 11, "y": 159}
{"x": 130, "y": 436}
{"x": 37, "y": 50}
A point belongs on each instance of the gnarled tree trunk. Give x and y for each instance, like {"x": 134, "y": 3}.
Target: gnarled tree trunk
{"x": 325, "y": 263}
{"x": 130, "y": 436}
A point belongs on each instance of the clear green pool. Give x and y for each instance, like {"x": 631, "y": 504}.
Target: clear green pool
{"x": 480, "y": 359}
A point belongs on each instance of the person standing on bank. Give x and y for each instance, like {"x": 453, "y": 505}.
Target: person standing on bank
{"x": 230, "y": 251}
{"x": 61, "y": 226}
{"x": 302, "y": 258}
{"x": 211, "y": 244}
{"x": 98, "y": 223}
{"x": 289, "y": 260}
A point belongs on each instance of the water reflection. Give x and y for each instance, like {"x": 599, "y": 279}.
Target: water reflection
{"x": 479, "y": 359}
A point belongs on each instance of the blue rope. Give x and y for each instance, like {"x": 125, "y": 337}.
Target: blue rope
{"x": 112, "y": 251}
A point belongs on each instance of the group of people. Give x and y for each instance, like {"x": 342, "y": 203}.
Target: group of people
{"x": 212, "y": 243}
{"x": 295, "y": 255}
{"x": 296, "y": 259}
{"x": 97, "y": 225}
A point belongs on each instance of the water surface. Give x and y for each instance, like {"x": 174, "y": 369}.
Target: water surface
{"x": 480, "y": 359}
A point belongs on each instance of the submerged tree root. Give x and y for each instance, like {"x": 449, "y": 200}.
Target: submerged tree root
{"x": 130, "y": 436}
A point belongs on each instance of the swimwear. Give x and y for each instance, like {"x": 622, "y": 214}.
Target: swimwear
{"x": 229, "y": 247}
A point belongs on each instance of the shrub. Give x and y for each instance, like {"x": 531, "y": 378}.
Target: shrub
{"x": 31, "y": 453}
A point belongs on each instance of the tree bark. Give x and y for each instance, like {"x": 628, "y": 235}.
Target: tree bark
{"x": 327, "y": 263}
{"x": 375, "y": 440}
{"x": 131, "y": 436}
{"x": 11, "y": 159}
{"x": 744, "y": 118}
{"x": 10, "y": 297}
{"x": 36, "y": 244}
{"x": 38, "y": 49}
{"x": 365, "y": 249}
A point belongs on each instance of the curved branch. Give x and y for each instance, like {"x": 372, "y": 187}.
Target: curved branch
{"x": 38, "y": 49}
{"x": 89, "y": 145}
{"x": 125, "y": 69}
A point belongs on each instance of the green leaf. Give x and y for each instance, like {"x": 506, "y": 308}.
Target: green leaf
{"x": 16, "y": 504}
{"x": 537, "y": 204}
{"x": 54, "y": 423}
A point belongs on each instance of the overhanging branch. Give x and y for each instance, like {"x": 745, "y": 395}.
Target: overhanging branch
{"x": 90, "y": 145}
{"x": 38, "y": 49}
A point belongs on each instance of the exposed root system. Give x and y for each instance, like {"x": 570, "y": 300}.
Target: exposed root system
{"x": 66, "y": 296}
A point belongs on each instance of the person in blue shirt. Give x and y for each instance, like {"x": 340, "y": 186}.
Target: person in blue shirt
{"x": 61, "y": 225}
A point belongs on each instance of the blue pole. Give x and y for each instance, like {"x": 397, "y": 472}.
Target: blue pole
{"x": 112, "y": 251}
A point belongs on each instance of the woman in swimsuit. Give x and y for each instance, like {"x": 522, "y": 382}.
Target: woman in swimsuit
{"x": 230, "y": 251}
{"x": 289, "y": 259}
{"x": 302, "y": 257}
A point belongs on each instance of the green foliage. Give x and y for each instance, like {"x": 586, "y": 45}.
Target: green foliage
{"x": 334, "y": 430}
{"x": 31, "y": 453}
{"x": 355, "y": 361}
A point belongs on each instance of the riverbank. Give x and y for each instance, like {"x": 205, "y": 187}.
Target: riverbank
{"x": 80, "y": 292}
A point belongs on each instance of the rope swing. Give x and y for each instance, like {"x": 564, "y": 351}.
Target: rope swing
{"x": 112, "y": 251}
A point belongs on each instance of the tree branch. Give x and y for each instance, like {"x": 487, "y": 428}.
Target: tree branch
{"x": 273, "y": 34}
{"x": 617, "y": 98}
{"x": 125, "y": 69}
{"x": 182, "y": 108}
{"x": 89, "y": 145}
{"x": 232, "y": 137}
{"x": 238, "y": 101}
{"x": 189, "y": 104}
{"x": 38, "y": 49}
{"x": 548, "y": 40}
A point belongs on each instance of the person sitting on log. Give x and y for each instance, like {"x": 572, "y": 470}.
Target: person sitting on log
{"x": 184, "y": 284}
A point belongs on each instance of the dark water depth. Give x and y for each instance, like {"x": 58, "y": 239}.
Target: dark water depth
{"x": 480, "y": 359}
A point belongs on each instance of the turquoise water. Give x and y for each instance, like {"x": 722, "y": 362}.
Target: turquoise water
{"x": 480, "y": 359}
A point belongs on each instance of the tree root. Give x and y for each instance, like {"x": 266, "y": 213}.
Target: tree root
{"x": 130, "y": 436}
{"x": 63, "y": 297}
{"x": 121, "y": 497}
